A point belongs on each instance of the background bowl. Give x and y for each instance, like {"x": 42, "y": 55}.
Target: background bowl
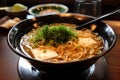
{"x": 17, "y": 10}
{"x": 104, "y": 30}
{"x": 47, "y": 9}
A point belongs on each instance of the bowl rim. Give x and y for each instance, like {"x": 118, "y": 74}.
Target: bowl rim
{"x": 47, "y": 4}
{"x": 9, "y": 10}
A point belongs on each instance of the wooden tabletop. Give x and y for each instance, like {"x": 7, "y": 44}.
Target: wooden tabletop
{"x": 9, "y": 60}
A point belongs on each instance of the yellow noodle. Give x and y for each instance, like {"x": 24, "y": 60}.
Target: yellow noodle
{"x": 72, "y": 51}
{"x": 69, "y": 51}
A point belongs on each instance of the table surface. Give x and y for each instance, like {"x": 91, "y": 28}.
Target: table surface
{"x": 9, "y": 60}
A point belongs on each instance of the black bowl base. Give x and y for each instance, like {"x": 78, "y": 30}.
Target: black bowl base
{"x": 28, "y": 72}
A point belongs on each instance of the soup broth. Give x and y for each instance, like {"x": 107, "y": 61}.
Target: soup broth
{"x": 59, "y": 43}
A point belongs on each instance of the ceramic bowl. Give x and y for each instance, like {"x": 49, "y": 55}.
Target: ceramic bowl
{"x": 22, "y": 13}
{"x": 47, "y": 9}
{"x": 19, "y": 30}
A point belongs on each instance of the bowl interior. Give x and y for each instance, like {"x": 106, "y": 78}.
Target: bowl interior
{"x": 47, "y": 9}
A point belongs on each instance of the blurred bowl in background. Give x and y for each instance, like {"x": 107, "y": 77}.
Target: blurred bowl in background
{"x": 47, "y": 9}
{"x": 17, "y": 10}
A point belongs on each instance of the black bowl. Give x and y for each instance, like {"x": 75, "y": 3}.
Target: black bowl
{"x": 21, "y": 14}
{"x": 104, "y": 30}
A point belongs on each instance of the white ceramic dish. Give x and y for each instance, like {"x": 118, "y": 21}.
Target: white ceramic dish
{"x": 47, "y": 9}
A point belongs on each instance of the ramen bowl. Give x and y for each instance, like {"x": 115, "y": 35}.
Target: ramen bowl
{"x": 105, "y": 31}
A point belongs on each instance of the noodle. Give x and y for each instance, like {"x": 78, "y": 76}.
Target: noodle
{"x": 74, "y": 50}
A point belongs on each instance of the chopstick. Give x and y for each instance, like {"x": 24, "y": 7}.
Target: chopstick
{"x": 98, "y": 19}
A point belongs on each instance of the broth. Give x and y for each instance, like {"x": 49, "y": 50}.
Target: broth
{"x": 58, "y": 43}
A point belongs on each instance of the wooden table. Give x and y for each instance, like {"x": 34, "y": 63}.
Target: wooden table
{"x": 9, "y": 60}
